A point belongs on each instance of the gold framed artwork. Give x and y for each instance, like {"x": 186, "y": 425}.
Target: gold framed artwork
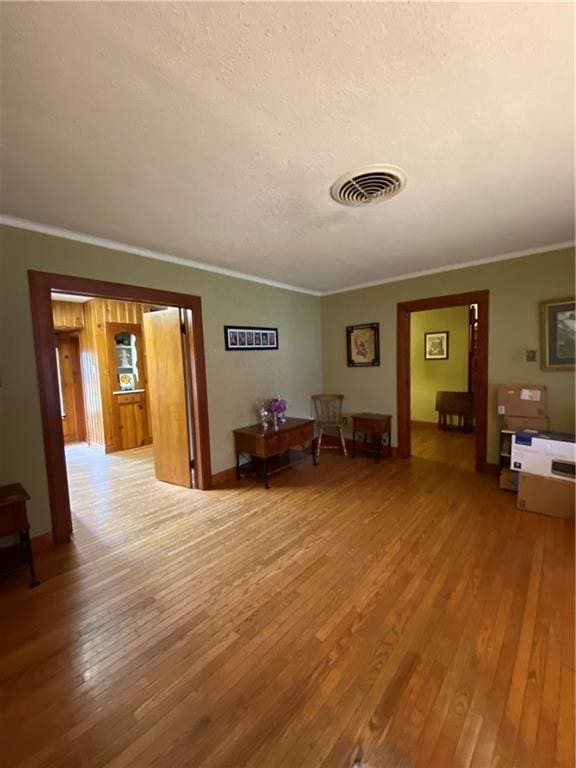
{"x": 436, "y": 345}
{"x": 557, "y": 334}
{"x": 363, "y": 345}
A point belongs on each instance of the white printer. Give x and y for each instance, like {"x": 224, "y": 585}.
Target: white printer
{"x": 549, "y": 454}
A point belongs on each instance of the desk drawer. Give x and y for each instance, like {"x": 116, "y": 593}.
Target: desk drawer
{"x": 276, "y": 442}
{"x": 128, "y": 399}
{"x": 372, "y": 426}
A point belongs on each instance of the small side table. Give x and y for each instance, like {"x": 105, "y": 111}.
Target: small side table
{"x": 379, "y": 424}
{"x": 13, "y": 519}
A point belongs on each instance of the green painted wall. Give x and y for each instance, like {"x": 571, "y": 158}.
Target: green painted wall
{"x": 235, "y": 379}
{"x": 312, "y": 341}
{"x": 430, "y": 376}
{"x": 516, "y": 286}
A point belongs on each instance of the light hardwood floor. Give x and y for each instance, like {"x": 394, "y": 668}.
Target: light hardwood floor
{"x": 406, "y": 607}
{"x": 454, "y": 448}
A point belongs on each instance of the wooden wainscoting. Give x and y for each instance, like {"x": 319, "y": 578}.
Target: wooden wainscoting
{"x": 97, "y": 369}
{"x": 68, "y": 315}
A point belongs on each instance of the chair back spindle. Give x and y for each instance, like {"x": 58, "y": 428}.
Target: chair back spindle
{"x": 328, "y": 411}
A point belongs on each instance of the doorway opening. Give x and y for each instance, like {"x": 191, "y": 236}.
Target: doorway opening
{"x": 442, "y": 381}
{"x": 442, "y": 384}
{"x": 122, "y": 383}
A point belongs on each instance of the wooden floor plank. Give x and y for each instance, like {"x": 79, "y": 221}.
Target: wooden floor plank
{"x": 404, "y": 610}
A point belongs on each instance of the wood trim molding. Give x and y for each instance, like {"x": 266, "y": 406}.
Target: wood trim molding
{"x": 11, "y": 556}
{"x": 42, "y": 542}
{"x": 199, "y": 399}
{"x": 225, "y": 477}
{"x": 41, "y": 284}
{"x": 404, "y": 310}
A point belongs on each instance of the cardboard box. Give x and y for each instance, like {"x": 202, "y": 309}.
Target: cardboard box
{"x": 521, "y": 423}
{"x": 529, "y": 400}
{"x": 546, "y": 495}
{"x": 508, "y": 480}
{"x": 550, "y": 454}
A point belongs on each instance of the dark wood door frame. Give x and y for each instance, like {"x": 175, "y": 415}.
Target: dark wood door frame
{"x": 405, "y": 309}
{"x": 41, "y": 284}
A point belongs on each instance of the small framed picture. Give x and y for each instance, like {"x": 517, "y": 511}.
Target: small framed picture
{"x": 436, "y": 345}
{"x": 245, "y": 338}
{"x": 127, "y": 381}
{"x": 363, "y": 345}
{"x": 557, "y": 334}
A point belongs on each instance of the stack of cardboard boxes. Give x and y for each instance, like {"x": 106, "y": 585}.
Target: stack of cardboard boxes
{"x": 523, "y": 407}
{"x": 541, "y": 465}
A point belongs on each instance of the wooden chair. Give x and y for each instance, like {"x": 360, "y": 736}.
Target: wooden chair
{"x": 328, "y": 410}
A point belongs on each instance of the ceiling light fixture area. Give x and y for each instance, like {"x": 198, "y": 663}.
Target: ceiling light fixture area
{"x": 368, "y": 185}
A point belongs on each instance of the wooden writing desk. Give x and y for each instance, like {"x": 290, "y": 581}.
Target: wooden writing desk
{"x": 272, "y": 450}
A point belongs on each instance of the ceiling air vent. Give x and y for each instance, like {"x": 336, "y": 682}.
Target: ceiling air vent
{"x": 368, "y": 185}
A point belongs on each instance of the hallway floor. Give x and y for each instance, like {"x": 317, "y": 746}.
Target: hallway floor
{"x": 455, "y": 449}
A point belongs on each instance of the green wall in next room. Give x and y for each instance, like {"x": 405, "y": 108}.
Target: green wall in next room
{"x": 235, "y": 379}
{"x": 430, "y": 376}
{"x": 516, "y": 287}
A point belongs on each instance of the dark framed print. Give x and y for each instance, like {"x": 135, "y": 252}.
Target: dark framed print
{"x": 363, "y": 345}
{"x": 436, "y": 345}
{"x": 557, "y": 334}
{"x": 247, "y": 337}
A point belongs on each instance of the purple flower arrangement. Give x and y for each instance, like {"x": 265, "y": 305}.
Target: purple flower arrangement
{"x": 276, "y": 405}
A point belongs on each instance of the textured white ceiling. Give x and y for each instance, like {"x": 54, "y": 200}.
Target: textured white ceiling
{"x": 213, "y": 131}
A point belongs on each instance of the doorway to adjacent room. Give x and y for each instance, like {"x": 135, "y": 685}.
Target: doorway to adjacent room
{"x": 442, "y": 379}
{"x": 431, "y": 384}
{"x": 122, "y": 384}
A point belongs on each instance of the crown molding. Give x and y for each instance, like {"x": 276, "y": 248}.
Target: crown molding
{"x": 452, "y": 267}
{"x": 113, "y": 245}
{"x": 67, "y": 234}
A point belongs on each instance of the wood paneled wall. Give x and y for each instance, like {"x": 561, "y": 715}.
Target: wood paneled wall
{"x": 68, "y": 315}
{"x": 99, "y": 415}
{"x": 90, "y": 366}
{"x": 73, "y": 420}
{"x": 91, "y": 317}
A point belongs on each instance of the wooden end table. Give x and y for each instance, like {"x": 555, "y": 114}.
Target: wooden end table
{"x": 14, "y": 520}
{"x": 272, "y": 450}
{"x": 379, "y": 424}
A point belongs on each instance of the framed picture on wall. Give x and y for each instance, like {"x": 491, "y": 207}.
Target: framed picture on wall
{"x": 557, "y": 334}
{"x": 363, "y": 345}
{"x": 436, "y": 345}
{"x": 245, "y": 337}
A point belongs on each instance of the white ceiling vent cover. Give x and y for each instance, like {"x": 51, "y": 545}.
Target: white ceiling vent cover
{"x": 369, "y": 184}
